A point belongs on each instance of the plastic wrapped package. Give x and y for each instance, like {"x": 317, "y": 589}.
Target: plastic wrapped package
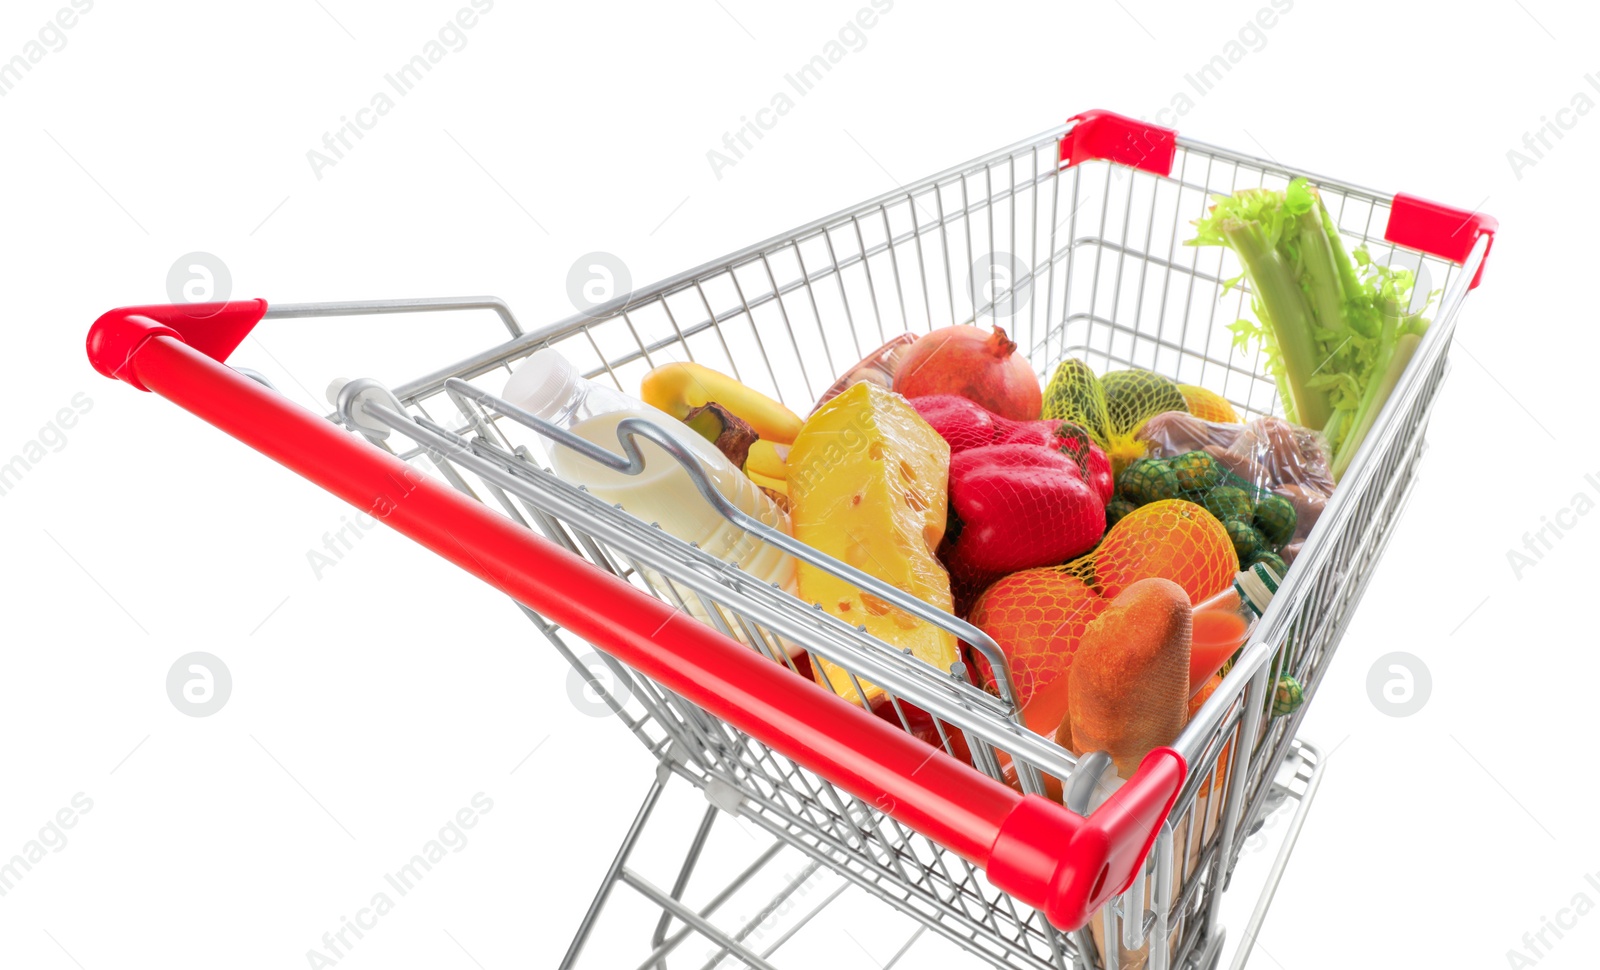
{"x": 867, "y": 486}
{"x": 1269, "y": 454}
{"x": 878, "y": 367}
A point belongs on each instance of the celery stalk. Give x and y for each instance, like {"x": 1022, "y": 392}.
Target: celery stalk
{"x": 1319, "y": 271}
{"x": 1282, "y": 305}
{"x": 1335, "y": 331}
{"x": 1373, "y": 400}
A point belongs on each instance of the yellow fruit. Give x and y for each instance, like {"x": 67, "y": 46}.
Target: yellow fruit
{"x": 1208, "y": 405}
{"x": 768, "y": 466}
{"x": 867, "y": 479}
{"x": 681, "y": 387}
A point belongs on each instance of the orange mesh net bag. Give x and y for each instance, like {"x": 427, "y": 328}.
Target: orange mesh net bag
{"x": 1039, "y": 617}
{"x": 1169, "y": 539}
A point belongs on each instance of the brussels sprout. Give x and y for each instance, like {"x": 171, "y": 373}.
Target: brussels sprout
{"x": 1148, "y": 480}
{"x": 1197, "y": 471}
{"x": 1247, "y": 542}
{"x": 1229, "y": 503}
{"x": 1287, "y": 696}
{"x": 1273, "y": 560}
{"x": 1275, "y": 518}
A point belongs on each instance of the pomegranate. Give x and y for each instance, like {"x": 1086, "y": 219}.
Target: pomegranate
{"x": 979, "y": 366}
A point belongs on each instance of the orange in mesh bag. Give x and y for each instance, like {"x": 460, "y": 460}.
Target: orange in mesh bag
{"x": 1040, "y": 616}
{"x": 1170, "y": 539}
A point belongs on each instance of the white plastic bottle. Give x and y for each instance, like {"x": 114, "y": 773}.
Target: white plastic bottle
{"x": 549, "y": 386}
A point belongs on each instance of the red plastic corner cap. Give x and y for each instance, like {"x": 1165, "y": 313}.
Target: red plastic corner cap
{"x": 1069, "y": 866}
{"x": 1108, "y": 136}
{"x": 1439, "y": 230}
{"x": 214, "y": 329}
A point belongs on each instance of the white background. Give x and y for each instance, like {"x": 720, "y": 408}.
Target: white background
{"x": 371, "y": 704}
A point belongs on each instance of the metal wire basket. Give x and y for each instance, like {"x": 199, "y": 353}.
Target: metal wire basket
{"x": 1086, "y": 223}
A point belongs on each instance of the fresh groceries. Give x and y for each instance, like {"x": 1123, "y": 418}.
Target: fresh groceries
{"x": 1337, "y": 331}
{"x": 1117, "y": 533}
{"x": 966, "y": 424}
{"x": 980, "y": 366}
{"x": 751, "y": 429}
{"x": 878, "y": 367}
{"x": 1112, "y": 408}
{"x": 1258, "y": 522}
{"x": 867, "y": 486}
{"x": 1038, "y": 616}
{"x": 1019, "y": 506}
{"x": 767, "y": 464}
{"x": 549, "y": 386}
{"x": 1075, "y": 394}
{"x": 1022, "y": 493}
{"x": 679, "y": 388}
{"x": 1129, "y": 683}
{"x": 1287, "y": 696}
{"x": 1266, "y": 456}
{"x": 1171, "y": 539}
{"x": 732, "y": 436}
{"x": 1095, "y": 528}
{"x": 1207, "y": 404}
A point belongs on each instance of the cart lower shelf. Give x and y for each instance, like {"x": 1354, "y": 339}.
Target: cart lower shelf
{"x": 779, "y": 902}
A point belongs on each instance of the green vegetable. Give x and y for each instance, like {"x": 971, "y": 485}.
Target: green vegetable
{"x": 1134, "y": 396}
{"x": 1275, "y": 519}
{"x": 1148, "y": 480}
{"x": 1247, "y": 542}
{"x": 1196, "y": 471}
{"x": 1229, "y": 503}
{"x": 1337, "y": 333}
{"x": 1287, "y": 696}
{"x": 1116, "y": 509}
{"x": 1273, "y": 560}
{"x": 1074, "y": 394}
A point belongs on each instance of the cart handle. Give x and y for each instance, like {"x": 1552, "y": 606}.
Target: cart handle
{"x": 1050, "y": 858}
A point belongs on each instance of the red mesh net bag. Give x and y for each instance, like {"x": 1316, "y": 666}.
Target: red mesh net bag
{"x": 1022, "y": 493}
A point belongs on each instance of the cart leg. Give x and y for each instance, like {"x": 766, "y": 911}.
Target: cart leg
{"x": 682, "y": 882}
{"x": 613, "y": 873}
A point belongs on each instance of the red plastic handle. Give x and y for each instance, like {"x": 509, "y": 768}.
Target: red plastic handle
{"x": 1439, "y": 230}
{"x": 1050, "y": 858}
{"x": 1108, "y": 136}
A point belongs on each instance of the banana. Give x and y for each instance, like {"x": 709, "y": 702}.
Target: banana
{"x": 681, "y": 387}
{"x": 767, "y": 465}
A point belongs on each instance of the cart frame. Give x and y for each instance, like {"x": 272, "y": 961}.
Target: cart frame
{"x": 923, "y": 822}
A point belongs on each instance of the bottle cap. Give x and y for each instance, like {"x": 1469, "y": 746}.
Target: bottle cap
{"x": 1256, "y": 586}
{"x": 542, "y": 383}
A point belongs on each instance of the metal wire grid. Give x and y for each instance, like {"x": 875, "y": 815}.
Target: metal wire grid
{"x": 1104, "y": 244}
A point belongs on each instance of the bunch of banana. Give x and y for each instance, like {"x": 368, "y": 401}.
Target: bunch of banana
{"x": 715, "y": 405}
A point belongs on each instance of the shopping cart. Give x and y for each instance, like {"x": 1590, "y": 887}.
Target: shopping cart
{"x": 906, "y": 803}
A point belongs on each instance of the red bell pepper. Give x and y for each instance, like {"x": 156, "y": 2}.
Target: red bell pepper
{"x": 966, "y": 424}
{"x": 1017, "y": 506}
